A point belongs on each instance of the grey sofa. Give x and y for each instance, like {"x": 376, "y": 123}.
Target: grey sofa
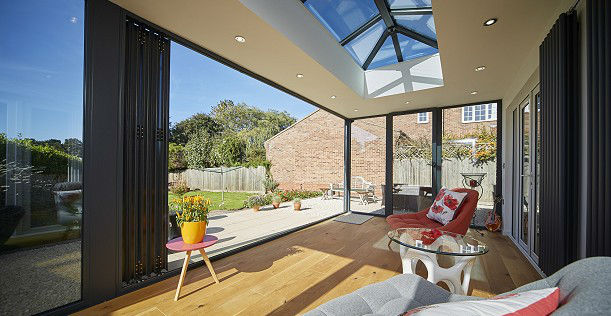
{"x": 585, "y": 289}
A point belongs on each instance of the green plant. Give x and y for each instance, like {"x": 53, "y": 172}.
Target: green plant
{"x": 297, "y": 200}
{"x": 190, "y": 209}
{"x": 179, "y": 188}
{"x": 290, "y": 195}
{"x": 270, "y": 184}
{"x": 276, "y": 198}
{"x": 176, "y": 157}
{"x": 198, "y": 151}
{"x": 254, "y": 200}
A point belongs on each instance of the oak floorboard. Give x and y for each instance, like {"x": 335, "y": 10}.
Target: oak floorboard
{"x": 297, "y": 272}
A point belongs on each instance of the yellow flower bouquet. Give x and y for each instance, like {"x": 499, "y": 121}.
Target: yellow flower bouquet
{"x": 191, "y": 217}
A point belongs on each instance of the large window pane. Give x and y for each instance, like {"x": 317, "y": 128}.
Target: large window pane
{"x": 368, "y": 165}
{"x": 41, "y": 150}
{"x": 469, "y": 153}
{"x": 412, "y": 171}
{"x": 233, "y": 138}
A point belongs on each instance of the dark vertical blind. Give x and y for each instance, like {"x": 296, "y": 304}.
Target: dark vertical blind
{"x": 598, "y": 111}
{"x": 559, "y": 145}
{"x": 145, "y": 219}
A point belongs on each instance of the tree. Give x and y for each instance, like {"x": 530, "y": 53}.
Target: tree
{"x": 181, "y": 132}
{"x": 73, "y": 146}
{"x": 176, "y": 157}
{"x": 198, "y": 151}
{"x": 229, "y": 150}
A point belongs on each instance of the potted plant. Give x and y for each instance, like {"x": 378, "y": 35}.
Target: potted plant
{"x": 255, "y": 201}
{"x": 276, "y": 199}
{"x": 297, "y": 204}
{"x": 191, "y": 217}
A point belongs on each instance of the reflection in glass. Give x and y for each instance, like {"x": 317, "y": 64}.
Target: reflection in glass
{"x": 368, "y": 143}
{"x": 344, "y": 16}
{"x": 423, "y": 24}
{"x": 525, "y": 177}
{"x": 385, "y": 56}
{"x": 537, "y": 118}
{"x": 409, "y": 4}
{"x": 41, "y": 154}
{"x": 412, "y": 49}
{"x": 412, "y": 170}
{"x": 360, "y": 47}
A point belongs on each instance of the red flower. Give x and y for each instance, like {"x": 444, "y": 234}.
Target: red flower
{"x": 440, "y": 195}
{"x": 450, "y": 202}
{"x": 436, "y": 208}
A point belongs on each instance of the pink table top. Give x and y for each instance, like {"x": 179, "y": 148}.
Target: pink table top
{"x": 177, "y": 244}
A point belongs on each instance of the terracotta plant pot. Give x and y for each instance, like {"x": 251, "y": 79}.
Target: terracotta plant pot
{"x": 193, "y": 232}
{"x": 276, "y": 205}
{"x": 297, "y": 206}
{"x": 256, "y": 208}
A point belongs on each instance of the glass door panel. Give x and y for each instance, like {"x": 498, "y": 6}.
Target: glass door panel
{"x": 41, "y": 154}
{"x": 525, "y": 172}
{"x": 412, "y": 162}
{"x": 469, "y": 153}
{"x": 537, "y": 172}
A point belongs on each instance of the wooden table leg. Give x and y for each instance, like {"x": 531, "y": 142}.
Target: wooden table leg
{"x": 185, "y": 266}
{"x": 209, "y": 264}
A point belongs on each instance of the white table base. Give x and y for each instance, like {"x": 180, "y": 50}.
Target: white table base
{"x": 450, "y": 276}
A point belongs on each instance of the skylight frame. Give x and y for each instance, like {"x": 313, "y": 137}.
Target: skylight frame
{"x": 392, "y": 29}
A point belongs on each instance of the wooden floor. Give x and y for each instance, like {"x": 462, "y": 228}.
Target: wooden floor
{"x": 300, "y": 271}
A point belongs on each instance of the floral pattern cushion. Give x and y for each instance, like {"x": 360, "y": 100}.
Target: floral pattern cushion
{"x": 445, "y": 205}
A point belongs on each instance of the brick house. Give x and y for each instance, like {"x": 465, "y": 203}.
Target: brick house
{"x": 309, "y": 154}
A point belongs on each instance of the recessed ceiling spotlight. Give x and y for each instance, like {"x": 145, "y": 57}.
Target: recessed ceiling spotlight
{"x": 333, "y": 97}
{"x": 473, "y": 92}
{"x": 406, "y": 102}
{"x": 299, "y": 75}
{"x": 240, "y": 39}
{"x": 489, "y": 22}
{"x": 356, "y": 110}
{"x": 480, "y": 68}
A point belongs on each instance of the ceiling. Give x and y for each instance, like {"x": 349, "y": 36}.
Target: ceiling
{"x": 274, "y": 53}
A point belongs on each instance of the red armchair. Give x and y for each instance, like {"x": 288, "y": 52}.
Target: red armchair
{"x": 459, "y": 225}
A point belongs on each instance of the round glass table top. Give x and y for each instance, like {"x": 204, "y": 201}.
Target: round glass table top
{"x": 439, "y": 242}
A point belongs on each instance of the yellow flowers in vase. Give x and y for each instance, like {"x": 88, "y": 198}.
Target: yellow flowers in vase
{"x": 191, "y": 217}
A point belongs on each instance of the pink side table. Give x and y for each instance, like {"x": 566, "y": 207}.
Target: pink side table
{"x": 177, "y": 244}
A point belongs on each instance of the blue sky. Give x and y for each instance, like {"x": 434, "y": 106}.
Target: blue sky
{"x": 41, "y": 74}
{"x": 197, "y": 83}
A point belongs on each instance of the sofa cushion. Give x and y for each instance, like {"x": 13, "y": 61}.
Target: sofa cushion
{"x": 529, "y": 303}
{"x": 391, "y": 297}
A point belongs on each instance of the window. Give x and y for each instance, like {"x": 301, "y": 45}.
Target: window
{"x": 41, "y": 154}
{"x": 479, "y": 113}
{"x": 423, "y": 117}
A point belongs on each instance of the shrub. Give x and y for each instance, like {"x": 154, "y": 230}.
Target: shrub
{"x": 254, "y": 200}
{"x": 297, "y": 200}
{"x": 276, "y": 198}
{"x": 179, "y": 188}
{"x": 176, "y": 157}
{"x": 290, "y": 195}
{"x": 270, "y": 184}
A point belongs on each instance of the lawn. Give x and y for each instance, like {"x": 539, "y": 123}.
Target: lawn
{"x": 233, "y": 200}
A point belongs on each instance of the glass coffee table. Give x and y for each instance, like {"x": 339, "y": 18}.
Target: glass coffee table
{"x": 426, "y": 244}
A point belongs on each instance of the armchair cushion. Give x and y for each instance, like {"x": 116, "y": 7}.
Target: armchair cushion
{"x": 459, "y": 225}
{"x": 445, "y": 205}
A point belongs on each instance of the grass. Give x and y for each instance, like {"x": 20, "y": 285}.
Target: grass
{"x": 233, "y": 200}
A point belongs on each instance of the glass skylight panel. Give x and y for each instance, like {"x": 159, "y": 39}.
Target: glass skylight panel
{"x": 385, "y": 56}
{"x": 347, "y": 21}
{"x": 413, "y": 49}
{"x": 423, "y": 24}
{"x": 409, "y": 4}
{"x": 342, "y": 17}
{"x": 360, "y": 47}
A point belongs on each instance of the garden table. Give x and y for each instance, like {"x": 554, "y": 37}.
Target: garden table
{"x": 177, "y": 244}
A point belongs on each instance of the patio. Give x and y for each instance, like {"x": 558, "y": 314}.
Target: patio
{"x": 236, "y": 229}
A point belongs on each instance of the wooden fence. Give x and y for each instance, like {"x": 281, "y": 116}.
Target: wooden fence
{"x": 418, "y": 171}
{"x": 235, "y": 179}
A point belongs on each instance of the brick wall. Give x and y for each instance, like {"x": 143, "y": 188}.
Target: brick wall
{"x": 309, "y": 155}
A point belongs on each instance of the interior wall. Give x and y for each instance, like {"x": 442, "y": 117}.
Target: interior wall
{"x": 520, "y": 91}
